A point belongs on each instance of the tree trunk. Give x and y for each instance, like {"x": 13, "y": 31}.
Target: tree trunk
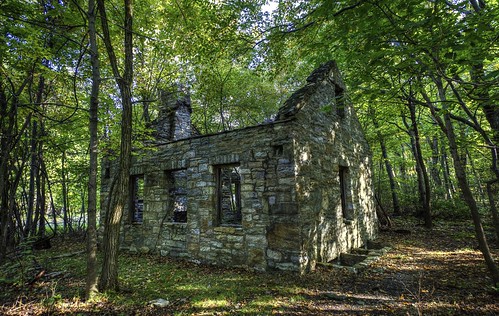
{"x": 9, "y": 182}
{"x": 32, "y": 172}
{"x": 470, "y": 201}
{"x": 64, "y": 193}
{"x": 43, "y": 207}
{"x": 91, "y": 280}
{"x": 435, "y": 174}
{"x": 389, "y": 169}
{"x": 449, "y": 186}
{"x": 119, "y": 193}
{"x": 5, "y": 141}
{"x": 426, "y": 190}
{"x": 492, "y": 193}
{"x": 447, "y": 128}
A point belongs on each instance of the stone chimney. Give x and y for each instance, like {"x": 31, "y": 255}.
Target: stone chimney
{"x": 174, "y": 118}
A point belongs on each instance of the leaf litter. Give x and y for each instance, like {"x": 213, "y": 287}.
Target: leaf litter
{"x": 433, "y": 272}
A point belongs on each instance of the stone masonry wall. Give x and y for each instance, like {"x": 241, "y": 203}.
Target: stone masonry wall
{"x": 324, "y": 144}
{"x": 268, "y": 235}
{"x": 292, "y": 215}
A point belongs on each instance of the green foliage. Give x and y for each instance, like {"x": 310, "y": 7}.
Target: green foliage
{"x": 222, "y": 102}
{"x": 450, "y": 209}
{"x": 21, "y": 267}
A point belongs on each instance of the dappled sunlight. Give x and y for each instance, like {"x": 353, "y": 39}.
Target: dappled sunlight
{"x": 211, "y": 303}
{"x": 427, "y": 272}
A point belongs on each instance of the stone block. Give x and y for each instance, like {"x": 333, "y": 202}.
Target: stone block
{"x": 281, "y": 208}
{"x": 274, "y": 255}
{"x": 351, "y": 259}
{"x": 284, "y": 236}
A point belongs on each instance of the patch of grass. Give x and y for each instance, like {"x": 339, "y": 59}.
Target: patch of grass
{"x": 453, "y": 274}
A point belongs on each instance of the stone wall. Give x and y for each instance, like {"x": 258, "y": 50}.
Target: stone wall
{"x": 290, "y": 195}
{"x": 329, "y": 140}
{"x": 264, "y": 155}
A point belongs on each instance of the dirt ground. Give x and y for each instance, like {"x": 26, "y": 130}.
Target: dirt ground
{"x": 436, "y": 272}
{"x": 424, "y": 272}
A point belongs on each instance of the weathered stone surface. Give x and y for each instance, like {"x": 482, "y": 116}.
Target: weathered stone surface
{"x": 351, "y": 259}
{"x": 284, "y": 236}
{"x": 288, "y": 192}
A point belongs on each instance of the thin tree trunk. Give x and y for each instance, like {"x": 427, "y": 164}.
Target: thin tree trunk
{"x": 32, "y": 172}
{"x": 405, "y": 187}
{"x": 492, "y": 193}
{"x": 449, "y": 186}
{"x": 64, "y": 192}
{"x": 109, "y": 272}
{"x": 43, "y": 207}
{"x": 5, "y": 141}
{"x": 426, "y": 193}
{"x": 419, "y": 173}
{"x": 478, "y": 180}
{"x": 389, "y": 169}
{"x": 435, "y": 174}
{"x": 52, "y": 204}
{"x": 92, "y": 280}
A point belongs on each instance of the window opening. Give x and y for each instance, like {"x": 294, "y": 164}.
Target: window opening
{"x": 346, "y": 205}
{"x": 278, "y": 150}
{"x": 229, "y": 195}
{"x": 137, "y": 203}
{"x": 178, "y": 195}
{"x": 107, "y": 173}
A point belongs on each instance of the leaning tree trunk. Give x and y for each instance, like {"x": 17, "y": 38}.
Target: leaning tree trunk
{"x": 470, "y": 201}
{"x": 118, "y": 194}
{"x": 460, "y": 172}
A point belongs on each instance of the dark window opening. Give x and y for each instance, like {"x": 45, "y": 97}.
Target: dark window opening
{"x": 278, "y": 150}
{"x": 137, "y": 198}
{"x": 339, "y": 97}
{"x": 229, "y": 195}
{"x": 345, "y": 195}
{"x": 107, "y": 173}
{"x": 178, "y": 195}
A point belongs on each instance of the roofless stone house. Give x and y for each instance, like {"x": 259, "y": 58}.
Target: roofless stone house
{"x": 285, "y": 194}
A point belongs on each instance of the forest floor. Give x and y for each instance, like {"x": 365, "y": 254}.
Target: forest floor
{"x": 424, "y": 272}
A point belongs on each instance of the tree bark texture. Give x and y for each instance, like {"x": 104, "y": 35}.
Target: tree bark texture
{"x": 120, "y": 191}
{"x": 470, "y": 201}
{"x": 460, "y": 172}
{"x": 418, "y": 156}
{"x": 92, "y": 280}
{"x": 389, "y": 170}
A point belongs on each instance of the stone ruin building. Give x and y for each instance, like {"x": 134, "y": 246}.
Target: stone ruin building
{"x": 286, "y": 194}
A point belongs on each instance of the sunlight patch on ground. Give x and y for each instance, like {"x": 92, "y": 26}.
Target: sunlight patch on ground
{"x": 361, "y": 296}
{"x": 446, "y": 254}
{"x": 190, "y": 287}
{"x": 212, "y": 303}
